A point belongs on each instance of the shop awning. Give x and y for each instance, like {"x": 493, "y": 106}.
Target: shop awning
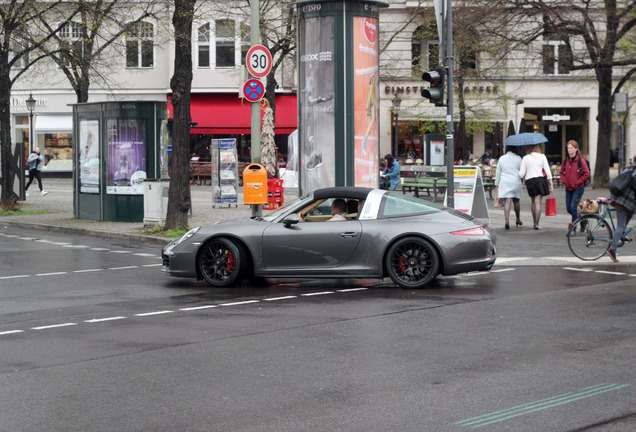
{"x": 227, "y": 114}
{"x": 53, "y": 123}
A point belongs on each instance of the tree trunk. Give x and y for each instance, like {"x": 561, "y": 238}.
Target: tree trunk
{"x": 604, "y": 139}
{"x": 9, "y": 163}
{"x": 179, "y": 201}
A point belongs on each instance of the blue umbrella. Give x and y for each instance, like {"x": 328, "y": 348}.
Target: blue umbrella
{"x": 526, "y": 138}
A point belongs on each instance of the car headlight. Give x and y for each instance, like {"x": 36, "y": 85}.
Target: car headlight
{"x": 187, "y": 235}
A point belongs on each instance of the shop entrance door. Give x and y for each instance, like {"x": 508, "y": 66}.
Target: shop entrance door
{"x": 553, "y": 132}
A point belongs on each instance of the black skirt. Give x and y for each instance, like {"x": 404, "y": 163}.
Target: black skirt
{"x": 537, "y": 186}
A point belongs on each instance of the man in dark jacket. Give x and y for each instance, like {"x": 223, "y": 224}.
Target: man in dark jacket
{"x": 625, "y": 204}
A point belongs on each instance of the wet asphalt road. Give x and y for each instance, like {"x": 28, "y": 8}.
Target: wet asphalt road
{"x": 94, "y": 337}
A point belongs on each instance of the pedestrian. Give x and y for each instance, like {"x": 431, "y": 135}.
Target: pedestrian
{"x": 508, "y": 183}
{"x": 574, "y": 173}
{"x": 535, "y": 170}
{"x": 486, "y": 158}
{"x": 391, "y": 171}
{"x": 624, "y": 203}
{"x": 35, "y": 161}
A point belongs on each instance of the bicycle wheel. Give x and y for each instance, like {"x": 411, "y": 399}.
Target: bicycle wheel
{"x": 589, "y": 237}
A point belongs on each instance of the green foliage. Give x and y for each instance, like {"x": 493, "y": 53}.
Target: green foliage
{"x": 20, "y": 212}
{"x": 160, "y": 230}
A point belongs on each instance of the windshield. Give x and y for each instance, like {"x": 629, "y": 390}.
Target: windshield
{"x": 282, "y": 209}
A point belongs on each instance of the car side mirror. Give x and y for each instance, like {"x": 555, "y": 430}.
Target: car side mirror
{"x": 290, "y": 220}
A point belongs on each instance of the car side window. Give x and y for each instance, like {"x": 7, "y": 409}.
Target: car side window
{"x": 396, "y": 205}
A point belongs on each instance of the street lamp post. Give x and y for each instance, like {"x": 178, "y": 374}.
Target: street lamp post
{"x": 30, "y": 103}
{"x": 396, "y": 101}
{"x": 518, "y": 101}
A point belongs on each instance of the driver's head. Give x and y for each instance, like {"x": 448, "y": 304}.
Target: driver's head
{"x": 338, "y": 206}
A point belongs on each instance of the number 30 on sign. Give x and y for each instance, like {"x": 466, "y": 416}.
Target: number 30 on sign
{"x": 259, "y": 61}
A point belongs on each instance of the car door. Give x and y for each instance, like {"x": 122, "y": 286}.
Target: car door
{"x": 310, "y": 245}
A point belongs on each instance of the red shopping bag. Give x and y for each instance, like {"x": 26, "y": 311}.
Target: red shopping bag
{"x": 550, "y": 207}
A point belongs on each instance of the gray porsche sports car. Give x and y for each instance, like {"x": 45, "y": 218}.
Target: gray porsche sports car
{"x": 408, "y": 239}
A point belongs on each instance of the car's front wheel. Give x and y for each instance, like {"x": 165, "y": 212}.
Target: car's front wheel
{"x": 412, "y": 263}
{"x": 222, "y": 262}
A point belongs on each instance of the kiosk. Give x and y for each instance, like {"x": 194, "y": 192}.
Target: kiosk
{"x": 117, "y": 146}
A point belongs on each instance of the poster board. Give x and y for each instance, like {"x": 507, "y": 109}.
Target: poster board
{"x": 468, "y": 192}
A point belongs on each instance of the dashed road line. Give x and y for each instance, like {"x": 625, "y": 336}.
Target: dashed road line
{"x": 51, "y": 274}
{"x": 99, "y": 320}
{"x": 121, "y": 251}
{"x": 14, "y": 276}
{"x": 194, "y": 308}
{"x": 144, "y": 314}
{"x": 352, "y": 290}
{"x": 68, "y": 324}
{"x": 317, "y": 293}
{"x": 8, "y": 332}
{"x": 240, "y": 303}
{"x": 87, "y": 270}
{"x": 280, "y": 298}
{"x": 122, "y": 268}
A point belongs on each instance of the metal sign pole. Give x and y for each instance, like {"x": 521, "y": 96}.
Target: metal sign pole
{"x": 450, "y": 141}
{"x": 256, "y": 106}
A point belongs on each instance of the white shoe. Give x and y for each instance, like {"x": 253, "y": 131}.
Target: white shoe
{"x": 26, "y": 193}
{"x": 44, "y": 192}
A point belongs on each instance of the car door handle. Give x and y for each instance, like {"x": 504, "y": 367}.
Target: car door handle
{"x": 348, "y": 234}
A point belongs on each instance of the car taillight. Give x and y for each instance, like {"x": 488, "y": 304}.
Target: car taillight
{"x": 471, "y": 232}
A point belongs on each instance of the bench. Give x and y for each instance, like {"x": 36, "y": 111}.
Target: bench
{"x": 201, "y": 172}
{"x": 415, "y": 184}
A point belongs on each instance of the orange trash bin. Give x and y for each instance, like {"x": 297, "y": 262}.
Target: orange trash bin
{"x": 255, "y": 184}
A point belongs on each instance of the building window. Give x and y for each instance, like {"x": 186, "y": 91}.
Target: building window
{"x": 71, "y": 43}
{"x": 222, "y": 44}
{"x": 140, "y": 45}
{"x": 557, "y": 58}
{"x": 424, "y": 49}
{"x": 203, "y": 41}
{"x": 16, "y": 48}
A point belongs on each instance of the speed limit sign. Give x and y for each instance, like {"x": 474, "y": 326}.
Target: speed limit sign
{"x": 259, "y": 61}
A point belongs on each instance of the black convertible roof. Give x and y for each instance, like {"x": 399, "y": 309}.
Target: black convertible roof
{"x": 342, "y": 192}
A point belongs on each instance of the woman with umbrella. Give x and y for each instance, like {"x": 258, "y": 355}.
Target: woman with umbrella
{"x": 508, "y": 183}
{"x": 535, "y": 170}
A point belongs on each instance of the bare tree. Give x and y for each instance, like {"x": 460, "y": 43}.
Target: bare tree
{"x": 179, "y": 199}
{"x": 21, "y": 36}
{"x": 80, "y": 51}
{"x": 597, "y": 36}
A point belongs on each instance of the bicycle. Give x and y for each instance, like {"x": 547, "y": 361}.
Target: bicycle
{"x": 590, "y": 235}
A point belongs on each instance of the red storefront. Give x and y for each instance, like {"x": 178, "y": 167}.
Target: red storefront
{"x": 222, "y": 115}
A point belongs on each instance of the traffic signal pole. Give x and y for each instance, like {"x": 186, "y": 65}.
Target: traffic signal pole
{"x": 450, "y": 139}
{"x": 255, "y": 153}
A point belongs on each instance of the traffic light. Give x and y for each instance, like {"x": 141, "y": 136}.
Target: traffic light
{"x": 436, "y": 92}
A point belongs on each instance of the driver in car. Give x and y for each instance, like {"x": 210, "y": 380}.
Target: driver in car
{"x": 338, "y": 209}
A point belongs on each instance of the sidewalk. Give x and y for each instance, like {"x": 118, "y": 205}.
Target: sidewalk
{"x": 524, "y": 241}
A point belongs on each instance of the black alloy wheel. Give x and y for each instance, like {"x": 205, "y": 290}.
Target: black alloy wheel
{"x": 222, "y": 262}
{"x": 412, "y": 263}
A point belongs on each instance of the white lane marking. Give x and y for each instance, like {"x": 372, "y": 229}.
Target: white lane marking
{"x": 122, "y": 268}
{"x": 578, "y": 269}
{"x": 611, "y": 272}
{"x": 51, "y": 274}
{"x": 13, "y": 277}
{"x": 152, "y": 265}
{"x": 98, "y": 320}
{"x": 54, "y": 326}
{"x": 502, "y": 270}
{"x": 239, "y": 303}
{"x": 99, "y": 249}
{"x": 59, "y": 243}
{"x": 479, "y": 273}
{"x": 154, "y": 313}
{"x": 198, "y": 308}
{"x": 145, "y": 254}
{"x": 76, "y": 246}
{"x": 280, "y": 298}
{"x": 27, "y": 238}
{"x": 352, "y": 289}
{"x": 11, "y": 332}
{"x": 12, "y": 236}
{"x": 317, "y": 293}
{"x": 121, "y": 252}
{"x": 87, "y": 270}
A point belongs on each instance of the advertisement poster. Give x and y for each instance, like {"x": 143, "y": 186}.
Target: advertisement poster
{"x": 437, "y": 153}
{"x": 366, "y": 101}
{"x": 126, "y": 156}
{"x": 89, "y": 171}
{"x": 316, "y": 100}
{"x": 469, "y": 195}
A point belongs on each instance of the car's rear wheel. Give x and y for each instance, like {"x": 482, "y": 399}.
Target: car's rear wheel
{"x": 222, "y": 262}
{"x": 412, "y": 263}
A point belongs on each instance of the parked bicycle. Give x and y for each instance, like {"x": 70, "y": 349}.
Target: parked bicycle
{"x": 591, "y": 234}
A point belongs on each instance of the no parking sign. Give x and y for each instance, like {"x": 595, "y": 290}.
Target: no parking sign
{"x": 253, "y": 90}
